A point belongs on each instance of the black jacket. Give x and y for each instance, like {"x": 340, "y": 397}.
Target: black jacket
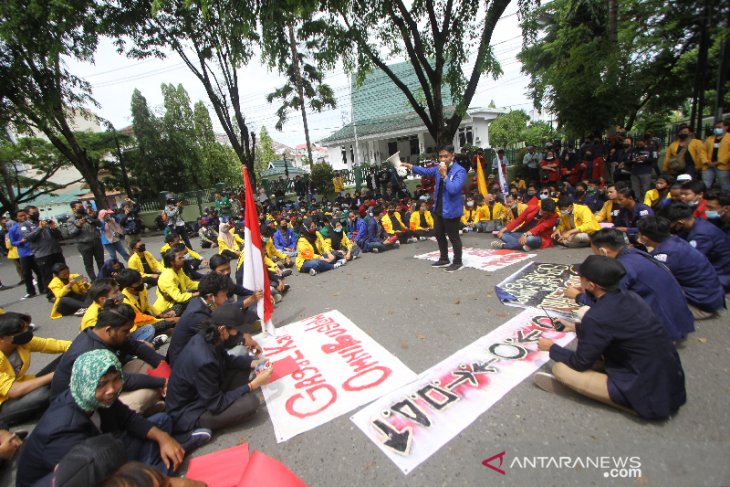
{"x": 63, "y": 426}
{"x": 196, "y": 383}
{"x": 643, "y": 367}
{"x": 189, "y": 324}
{"x": 86, "y": 341}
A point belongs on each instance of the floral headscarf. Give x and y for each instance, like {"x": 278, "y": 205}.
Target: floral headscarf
{"x": 87, "y": 371}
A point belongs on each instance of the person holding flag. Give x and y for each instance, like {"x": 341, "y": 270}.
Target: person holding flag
{"x": 255, "y": 275}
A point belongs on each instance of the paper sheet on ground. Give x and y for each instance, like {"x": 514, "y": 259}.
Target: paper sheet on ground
{"x": 483, "y": 259}
{"x": 340, "y": 368}
{"x": 540, "y": 285}
{"x": 412, "y": 423}
{"x": 223, "y": 468}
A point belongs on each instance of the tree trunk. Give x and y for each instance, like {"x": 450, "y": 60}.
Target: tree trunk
{"x": 122, "y": 167}
{"x": 300, "y": 89}
{"x": 613, "y": 22}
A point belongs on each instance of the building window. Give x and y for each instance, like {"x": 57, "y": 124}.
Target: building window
{"x": 466, "y": 136}
{"x": 352, "y": 154}
{"x": 415, "y": 149}
{"x": 392, "y": 148}
{"x": 343, "y": 151}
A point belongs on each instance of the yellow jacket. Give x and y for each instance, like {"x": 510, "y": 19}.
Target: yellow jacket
{"x": 415, "y": 222}
{"x": 237, "y": 244}
{"x": 651, "y": 197}
{"x": 143, "y": 314}
{"x": 305, "y": 251}
{"x": 166, "y": 247}
{"x": 388, "y": 224}
{"x": 497, "y": 212}
{"x": 12, "y": 249}
{"x": 723, "y": 153}
{"x": 91, "y": 316}
{"x": 605, "y": 214}
{"x": 695, "y": 148}
{"x": 583, "y": 219}
{"x": 470, "y": 215}
{"x": 338, "y": 184}
{"x": 520, "y": 208}
{"x": 270, "y": 251}
{"x": 345, "y": 242}
{"x": 135, "y": 262}
{"x": 59, "y": 290}
{"x": 37, "y": 344}
{"x": 172, "y": 288}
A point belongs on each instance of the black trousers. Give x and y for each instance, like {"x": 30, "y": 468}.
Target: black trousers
{"x": 71, "y": 303}
{"x": 28, "y": 266}
{"x": 45, "y": 264}
{"x": 443, "y": 227}
{"x": 243, "y": 408}
{"x": 22, "y": 409}
{"x": 90, "y": 252}
{"x": 180, "y": 230}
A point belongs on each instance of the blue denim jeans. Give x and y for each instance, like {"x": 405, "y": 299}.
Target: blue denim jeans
{"x": 318, "y": 265}
{"x": 115, "y": 247}
{"x": 512, "y": 241}
{"x": 143, "y": 333}
{"x": 709, "y": 175}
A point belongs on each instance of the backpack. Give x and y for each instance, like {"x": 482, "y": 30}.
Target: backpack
{"x": 677, "y": 162}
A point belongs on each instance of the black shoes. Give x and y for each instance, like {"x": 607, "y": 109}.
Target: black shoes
{"x": 454, "y": 267}
{"x": 440, "y": 263}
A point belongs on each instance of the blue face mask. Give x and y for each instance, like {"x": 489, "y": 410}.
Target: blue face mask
{"x": 338, "y": 229}
{"x": 719, "y": 131}
{"x": 712, "y": 214}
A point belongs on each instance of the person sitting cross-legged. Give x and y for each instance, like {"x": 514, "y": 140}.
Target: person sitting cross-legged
{"x": 71, "y": 292}
{"x": 531, "y": 230}
{"x": 576, "y": 224}
{"x": 625, "y": 360}
{"x": 174, "y": 287}
{"x": 145, "y": 263}
{"x": 135, "y": 294}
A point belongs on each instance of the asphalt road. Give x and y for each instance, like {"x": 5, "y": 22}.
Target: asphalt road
{"x": 422, "y": 315}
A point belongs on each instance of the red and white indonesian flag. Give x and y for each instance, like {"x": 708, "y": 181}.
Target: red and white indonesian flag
{"x": 255, "y": 276}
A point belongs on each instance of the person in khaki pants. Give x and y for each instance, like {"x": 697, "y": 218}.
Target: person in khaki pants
{"x": 140, "y": 392}
{"x": 624, "y": 358}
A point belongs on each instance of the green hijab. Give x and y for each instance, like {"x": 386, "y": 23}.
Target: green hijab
{"x": 87, "y": 371}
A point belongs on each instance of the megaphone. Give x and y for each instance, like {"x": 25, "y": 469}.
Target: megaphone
{"x": 395, "y": 161}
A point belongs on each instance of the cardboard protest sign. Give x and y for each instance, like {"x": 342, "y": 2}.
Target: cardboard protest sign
{"x": 412, "y": 423}
{"x": 483, "y": 259}
{"x": 339, "y": 367}
{"x": 540, "y": 285}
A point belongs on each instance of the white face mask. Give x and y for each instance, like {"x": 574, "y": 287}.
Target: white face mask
{"x": 264, "y": 239}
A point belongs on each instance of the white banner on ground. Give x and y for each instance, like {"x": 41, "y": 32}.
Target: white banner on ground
{"x": 340, "y": 368}
{"x": 483, "y": 259}
{"x": 411, "y": 424}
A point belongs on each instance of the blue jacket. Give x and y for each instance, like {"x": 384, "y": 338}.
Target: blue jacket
{"x": 630, "y": 219}
{"x": 281, "y": 242}
{"x": 63, "y": 426}
{"x": 373, "y": 234}
{"x": 453, "y": 204}
{"x": 643, "y": 367}
{"x": 654, "y": 282}
{"x": 693, "y": 271}
{"x": 16, "y": 236}
{"x": 197, "y": 383}
{"x": 715, "y": 244}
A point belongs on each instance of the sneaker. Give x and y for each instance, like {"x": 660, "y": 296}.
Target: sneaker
{"x": 441, "y": 263}
{"x": 412, "y": 240}
{"x": 312, "y": 272}
{"x": 286, "y": 288}
{"x": 277, "y": 298}
{"x": 342, "y": 261}
{"x": 454, "y": 267}
{"x": 159, "y": 340}
{"x": 422, "y": 239}
{"x": 396, "y": 244}
{"x": 355, "y": 256}
{"x": 526, "y": 248}
{"x": 80, "y": 312}
{"x": 497, "y": 245}
{"x": 196, "y": 439}
{"x": 548, "y": 382}
{"x": 338, "y": 264}
{"x": 28, "y": 296}
{"x": 286, "y": 273}
{"x": 375, "y": 250}
{"x": 3, "y": 287}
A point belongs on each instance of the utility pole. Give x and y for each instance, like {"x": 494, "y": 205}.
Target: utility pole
{"x": 356, "y": 159}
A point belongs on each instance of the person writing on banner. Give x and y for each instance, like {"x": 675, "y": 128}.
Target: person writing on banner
{"x": 209, "y": 388}
{"x": 450, "y": 179}
{"x": 625, "y": 360}
{"x": 531, "y": 230}
{"x": 699, "y": 281}
{"x": 645, "y": 276}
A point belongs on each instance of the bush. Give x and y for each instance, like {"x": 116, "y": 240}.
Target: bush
{"x": 322, "y": 175}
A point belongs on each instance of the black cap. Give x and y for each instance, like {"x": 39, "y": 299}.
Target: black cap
{"x": 603, "y": 271}
{"x": 232, "y": 316}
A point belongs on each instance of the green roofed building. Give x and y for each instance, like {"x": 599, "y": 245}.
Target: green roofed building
{"x": 384, "y": 123}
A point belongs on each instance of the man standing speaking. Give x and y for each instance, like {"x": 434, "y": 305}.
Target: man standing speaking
{"x": 449, "y": 207}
